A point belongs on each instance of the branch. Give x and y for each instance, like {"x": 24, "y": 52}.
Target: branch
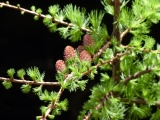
{"x": 100, "y": 51}
{"x": 123, "y": 34}
{"x": 116, "y": 34}
{"x": 54, "y": 103}
{"x": 105, "y": 62}
{"x": 141, "y": 49}
{"x": 140, "y": 101}
{"x": 29, "y": 82}
{"x": 106, "y": 97}
{"x": 2, "y": 4}
{"x": 137, "y": 74}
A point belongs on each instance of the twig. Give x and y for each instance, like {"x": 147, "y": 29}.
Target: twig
{"x": 123, "y": 34}
{"x": 106, "y": 97}
{"x": 2, "y": 4}
{"x": 54, "y": 103}
{"x": 141, "y": 49}
{"x": 137, "y": 74}
{"x": 105, "y": 62}
{"x": 100, "y": 51}
{"x": 140, "y": 101}
{"x": 29, "y": 82}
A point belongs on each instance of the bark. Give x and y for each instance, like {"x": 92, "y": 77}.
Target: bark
{"x": 116, "y": 34}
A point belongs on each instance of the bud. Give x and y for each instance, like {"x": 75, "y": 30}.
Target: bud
{"x": 69, "y": 52}
{"x": 87, "y": 40}
{"x": 60, "y": 65}
{"x": 84, "y": 55}
{"x": 80, "y": 49}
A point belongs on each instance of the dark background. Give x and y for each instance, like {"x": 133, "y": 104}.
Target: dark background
{"x": 25, "y": 42}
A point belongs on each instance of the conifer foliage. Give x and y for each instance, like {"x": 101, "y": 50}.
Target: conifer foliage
{"x": 128, "y": 86}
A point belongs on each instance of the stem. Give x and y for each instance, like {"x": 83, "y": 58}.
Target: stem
{"x": 123, "y": 34}
{"x": 106, "y": 97}
{"x": 140, "y": 49}
{"x": 116, "y": 34}
{"x": 54, "y": 103}
{"x": 100, "y": 51}
{"x": 2, "y": 4}
{"x": 106, "y": 62}
{"x": 140, "y": 101}
{"x": 29, "y": 82}
{"x": 137, "y": 74}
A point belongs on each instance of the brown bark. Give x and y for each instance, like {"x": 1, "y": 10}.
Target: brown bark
{"x": 116, "y": 34}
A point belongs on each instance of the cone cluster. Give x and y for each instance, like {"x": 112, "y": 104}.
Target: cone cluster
{"x": 70, "y": 53}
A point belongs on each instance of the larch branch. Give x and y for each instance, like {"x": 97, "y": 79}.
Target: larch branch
{"x": 2, "y": 4}
{"x": 29, "y": 82}
{"x": 54, "y": 103}
{"x": 106, "y": 97}
{"x": 140, "y": 49}
{"x": 137, "y": 74}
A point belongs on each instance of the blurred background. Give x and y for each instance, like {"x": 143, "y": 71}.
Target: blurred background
{"x": 25, "y": 43}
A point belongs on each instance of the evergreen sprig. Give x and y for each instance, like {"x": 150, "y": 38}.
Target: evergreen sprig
{"x": 11, "y": 72}
{"x": 34, "y": 74}
{"x": 136, "y": 113}
{"x": 128, "y": 86}
{"x": 21, "y": 73}
{"x": 7, "y": 84}
{"x": 53, "y": 9}
{"x": 25, "y": 88}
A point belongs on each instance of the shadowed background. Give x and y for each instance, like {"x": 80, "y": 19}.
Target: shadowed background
{"x": 25, "y": 42}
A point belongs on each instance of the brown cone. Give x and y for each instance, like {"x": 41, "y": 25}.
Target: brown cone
{"x": 69, "y": 52}
{"x": 84, "y": 55}
{"x": 60, "y": 65}
{"x": 87, "y": 40}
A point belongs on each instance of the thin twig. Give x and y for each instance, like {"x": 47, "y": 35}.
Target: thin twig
{"x": 123, "y": 34}
{"x": 106, "y": 97}
{"x": 54, "y": 103}
{"x": 105, "y": 62}
{"x": 141, "y": 49}
{"x": 100, "y": 51}
{"x": 29, "y": 82}
{"x": 140, "y": 101}
{"x": 2, "y": 4}
{"x": 137, "y": 74}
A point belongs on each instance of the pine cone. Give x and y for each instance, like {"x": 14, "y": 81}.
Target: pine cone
{"x": 84, "y": 55}
{"x": 60, "y": 65}
{"x": 69, "y": 52}
{"x": 87, "y": 40}
{"x": 80, "y": 49}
